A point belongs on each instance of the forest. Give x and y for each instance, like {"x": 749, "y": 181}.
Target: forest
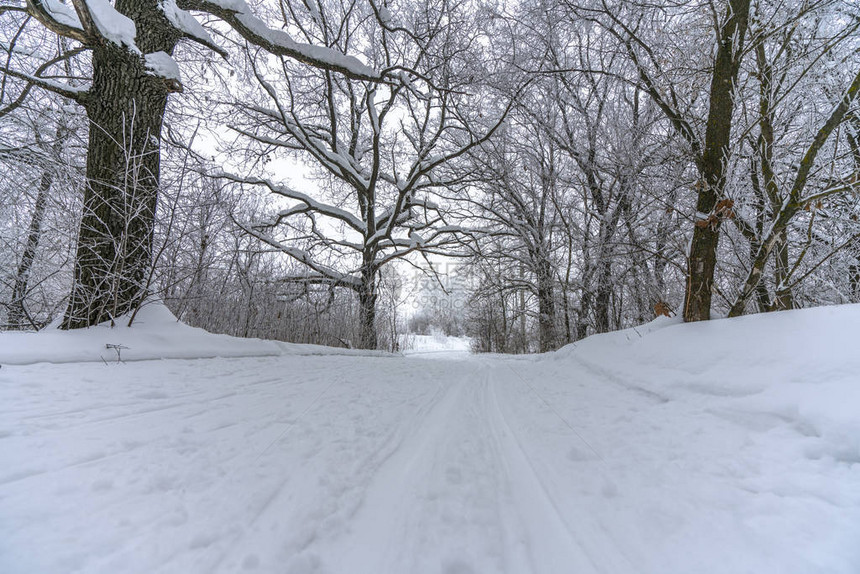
{"x": 344, "y": 172}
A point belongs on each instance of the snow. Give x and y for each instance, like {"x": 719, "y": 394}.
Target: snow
{"x": 285, "y": 191}
{"x": 59, "y": 86}
{"x": 385, "y": 15}
{"x": 62, "y": 13}
{"x": 279, "y": 39}
{"x": 185, "y": 22}
{"x": 438, "y": 344}
{"x": 721, "y": 447}
{"x": 163, "y": 65}
{"x": 155, "y": 334}
{"x": 112, "y": 25}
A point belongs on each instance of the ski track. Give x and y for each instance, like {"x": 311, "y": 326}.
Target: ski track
{"x": 336, "y": 465}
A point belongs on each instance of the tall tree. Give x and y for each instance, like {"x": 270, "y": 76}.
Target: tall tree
{"x": 380, "y": 149}
{"x": 711, "y": 152}
{"x": 130, "y": 44}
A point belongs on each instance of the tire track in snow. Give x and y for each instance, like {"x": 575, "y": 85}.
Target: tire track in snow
{"x": 464, "y": 488}
{"x": 555, "y": 545}
{"x": 443, "y": 494}
{"x": 383, "y": 500}
{"x": 311, "y": 531}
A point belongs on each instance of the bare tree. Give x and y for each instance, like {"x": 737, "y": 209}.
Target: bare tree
{"x": 380, "y": 149}
{"x": 129, "y": 45}
{"x": 634, "y": 27}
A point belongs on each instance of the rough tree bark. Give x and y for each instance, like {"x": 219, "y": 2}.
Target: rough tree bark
{"x": 125, "y": 107}
{"x": 367, "y": 296}
{"x": 547, "y": 333}
{"x": 702, "y": 260}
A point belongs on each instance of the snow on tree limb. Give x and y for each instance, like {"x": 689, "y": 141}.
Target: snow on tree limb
{"x": 238, "y": 15}
{"x": 76, "y": 93}
{"x": 63, "y": 14}
{"x": 100, "y": 18}
{"x": 161, "y": 64}
{"x": 92, "y": 21}
{"x": 58, "y": 18}
{"x": 89, "y": 21}
{"x": 304, "y": 258}
{"x": 324, "y": 209}
{"x": 189, "y": 26}
{"x": 80, "y": 91}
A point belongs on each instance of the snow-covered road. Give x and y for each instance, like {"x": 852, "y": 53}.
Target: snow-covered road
{"x": 449, "y": 465}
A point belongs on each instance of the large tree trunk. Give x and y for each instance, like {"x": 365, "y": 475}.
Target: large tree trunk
{"x": 702, "y": 261}
{"x": 125, "y": 110}
{"x": 784, "y": 299}
{"x": 584, "y": 312}
{"x": 603, "y": 295}
{"x": 700, "y": 272}
{"x": 367, "y": 296}
{"x": 547, "y": 332}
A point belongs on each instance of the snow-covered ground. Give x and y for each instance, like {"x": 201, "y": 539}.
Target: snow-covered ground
{"x": 442, "y": 346}
{"x": 155, "y": 334}
{"x": 726, "y": 447}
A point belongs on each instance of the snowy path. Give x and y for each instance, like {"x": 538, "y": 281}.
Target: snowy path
{"x": 450, "y": 465}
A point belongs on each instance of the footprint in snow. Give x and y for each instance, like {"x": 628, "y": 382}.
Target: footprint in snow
{"x": 454, "y": 475}
{"x": 457, "y": 567}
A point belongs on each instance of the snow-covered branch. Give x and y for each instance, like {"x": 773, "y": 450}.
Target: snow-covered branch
{"x": 282, "y": 190}
{"x": 239, "y": 16}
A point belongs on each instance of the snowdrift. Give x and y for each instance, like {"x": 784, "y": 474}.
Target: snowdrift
{"x": 800, "y": 367}
{"x": 155, "y": 334}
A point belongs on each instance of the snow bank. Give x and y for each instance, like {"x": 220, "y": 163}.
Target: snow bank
{"x": 801, "y": 367}
{"x": 155, "y": 334}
